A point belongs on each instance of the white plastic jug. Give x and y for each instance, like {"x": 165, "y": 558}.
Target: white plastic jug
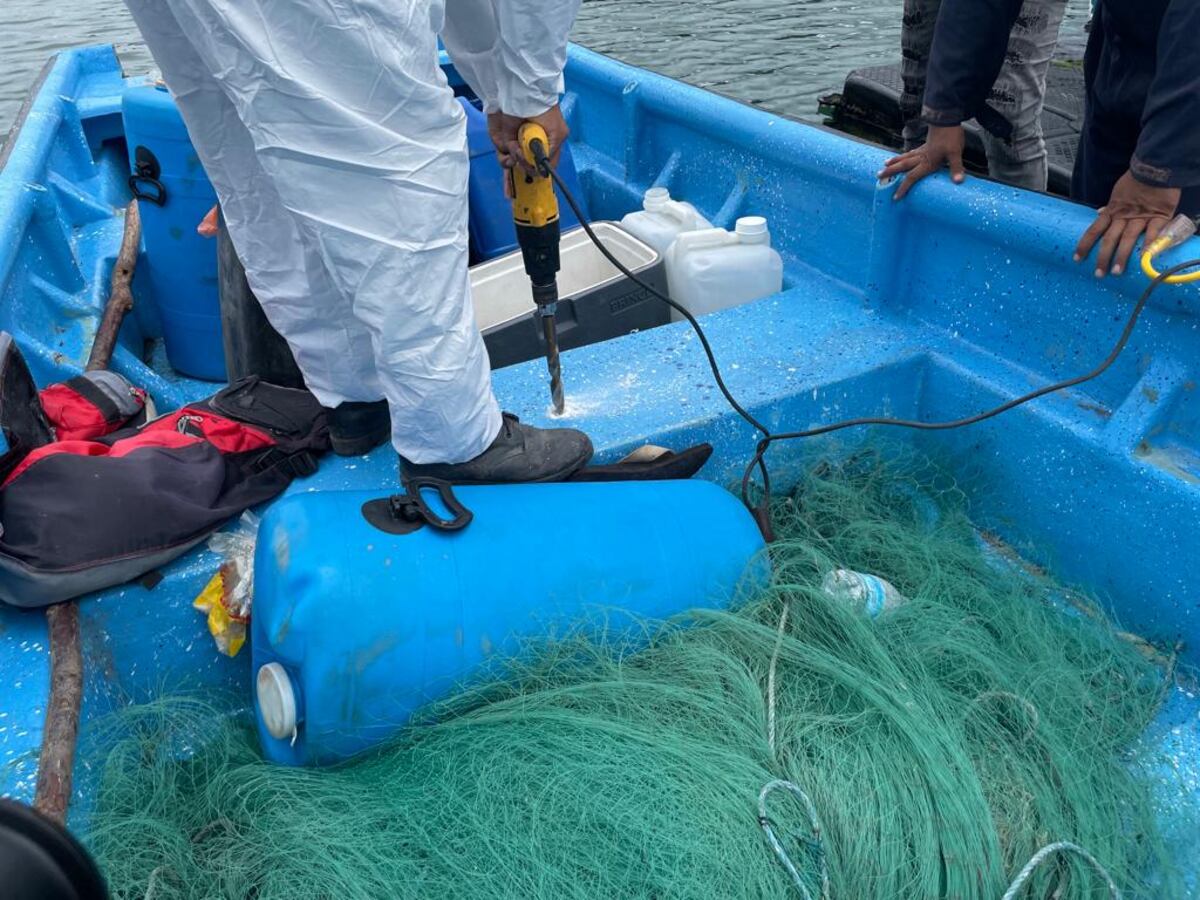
{"x": 715, "y": 269}
{"x": 662, "y": 219}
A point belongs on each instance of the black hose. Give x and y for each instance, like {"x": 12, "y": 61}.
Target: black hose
{"x": 761, "y": 510}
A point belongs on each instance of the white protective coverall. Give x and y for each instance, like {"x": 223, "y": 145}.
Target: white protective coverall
{"x": 339, "y": 155}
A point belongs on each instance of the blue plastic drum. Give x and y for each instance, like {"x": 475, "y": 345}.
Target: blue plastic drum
{"x": 356, "y": 628}
{"x": 174, "y": 195}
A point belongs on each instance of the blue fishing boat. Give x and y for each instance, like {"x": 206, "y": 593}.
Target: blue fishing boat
{"x": 934, "y": 309}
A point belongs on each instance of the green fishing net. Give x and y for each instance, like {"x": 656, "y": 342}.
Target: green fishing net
{"x": 925, "y": 753}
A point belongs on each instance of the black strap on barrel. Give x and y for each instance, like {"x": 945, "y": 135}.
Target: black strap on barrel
{"x": 408, "y": 512}
{"x": 144, "y": 183}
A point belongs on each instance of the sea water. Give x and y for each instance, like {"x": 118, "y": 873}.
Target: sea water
{"x": 778, "y": 54}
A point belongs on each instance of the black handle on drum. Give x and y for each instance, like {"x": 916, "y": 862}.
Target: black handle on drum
{"x": 408, "y": 512}
{"x": 146, "y": 172}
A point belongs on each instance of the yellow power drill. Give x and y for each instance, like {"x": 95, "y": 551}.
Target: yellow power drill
{"x": 535, "y": 214}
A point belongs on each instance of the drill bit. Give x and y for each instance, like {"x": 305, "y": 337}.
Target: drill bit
{"x": 550, "y": 332}
{"x": 535, "y": 216}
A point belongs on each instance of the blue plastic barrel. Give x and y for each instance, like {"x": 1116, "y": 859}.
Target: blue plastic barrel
{"x": 354, "y": 629}
{"x": 490, "y": 225}
{"x": 181, "y": 265}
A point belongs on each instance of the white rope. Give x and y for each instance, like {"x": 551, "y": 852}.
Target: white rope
{"x": 815, "y": 841}
{"x": 771, "y": 677}
{"x": 164, "y": 873}
{"x": 1049, "y": 850}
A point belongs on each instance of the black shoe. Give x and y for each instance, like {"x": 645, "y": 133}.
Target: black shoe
{"x": 519, "y": 453}
{"x": 358, "y": 427}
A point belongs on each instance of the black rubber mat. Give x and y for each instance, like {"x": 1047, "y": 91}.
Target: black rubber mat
{"x": 869, "y": 106}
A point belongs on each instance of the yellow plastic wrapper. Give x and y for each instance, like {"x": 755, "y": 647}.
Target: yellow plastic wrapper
{"x": 227, "y": 597}
{"x": 227, "y": 628}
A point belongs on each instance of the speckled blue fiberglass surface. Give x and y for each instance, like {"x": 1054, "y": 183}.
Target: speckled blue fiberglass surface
{"x": 935, "y": 308}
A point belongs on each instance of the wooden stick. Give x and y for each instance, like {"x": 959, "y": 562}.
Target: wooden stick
{"x": 57, "y": 760}
{"x": 120, "y": 296}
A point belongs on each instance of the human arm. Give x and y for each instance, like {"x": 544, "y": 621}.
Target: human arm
{"x": 1167, "y": 156}
{"x": 533, "y": 53}
{"x": 471, "y": 35}
{"x": 969, "y": 44}
{"x": 1168, "y": 148}
{"x": 512, "y": 54}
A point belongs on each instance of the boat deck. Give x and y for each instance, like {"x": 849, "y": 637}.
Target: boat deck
{"x": 935, "y": 308}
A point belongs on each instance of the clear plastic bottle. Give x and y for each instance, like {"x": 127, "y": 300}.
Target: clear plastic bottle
{"x": 661, "y": 220}
{"x": 717, "y": 269}
{"x": 868, "y": 593}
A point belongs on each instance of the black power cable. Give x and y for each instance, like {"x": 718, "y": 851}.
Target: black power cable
{"x": 761, "y": 511}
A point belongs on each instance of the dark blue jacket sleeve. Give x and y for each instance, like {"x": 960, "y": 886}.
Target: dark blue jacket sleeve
{"x": 1168, "y": 149}
{"x": 969, "y": 43}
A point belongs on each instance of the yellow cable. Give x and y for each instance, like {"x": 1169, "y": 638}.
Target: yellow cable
{"x": 1157, "y": 246}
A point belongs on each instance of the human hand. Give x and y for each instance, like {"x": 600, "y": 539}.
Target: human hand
{"x": 942, "y": 145}
{"x": 1133, "y": 208}
{"x": 503, "y": 129}
{"x": 208, "y": 225}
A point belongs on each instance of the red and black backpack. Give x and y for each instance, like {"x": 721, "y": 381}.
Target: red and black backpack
{"x": 105, "y": 502}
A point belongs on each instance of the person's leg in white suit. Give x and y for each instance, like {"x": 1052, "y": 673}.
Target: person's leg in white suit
{"x": 293, "y": 283}
{"x": 339, "y": 156}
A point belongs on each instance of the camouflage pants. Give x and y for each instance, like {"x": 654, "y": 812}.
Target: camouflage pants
{"x": 1017, "y": 94}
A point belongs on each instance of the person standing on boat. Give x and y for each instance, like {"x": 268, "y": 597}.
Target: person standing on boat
{"x": 1139, "y": 149}
{"x": 339, "y": 155}
{"x": 1012, "y": 116}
